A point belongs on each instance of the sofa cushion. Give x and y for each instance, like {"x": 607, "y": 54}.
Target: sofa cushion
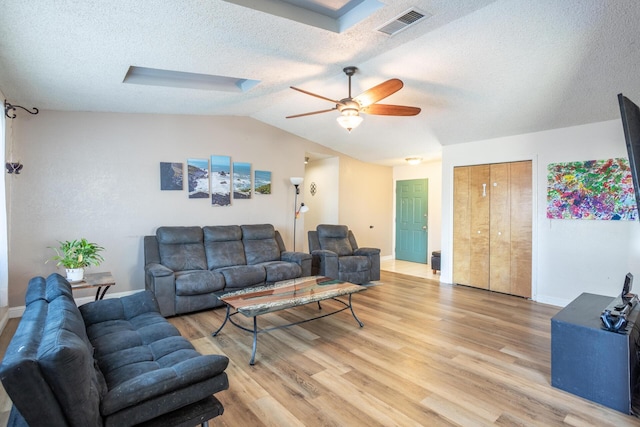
{"x": 353, "y": 264}
{"x": 143, "y": 356}
{"x": 198, "y": 282}
{"x": 260, "y": 243}
{"x": 334, "y": 238}
{"x": 241, "y": 276}
{"x": 223, "y": 246}
{"x": 281, "y": 270}
{"x": 181, "y": 248}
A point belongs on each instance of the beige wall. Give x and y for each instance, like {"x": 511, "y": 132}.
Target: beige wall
{"x": 366, "y": 203}
{"x": 432, "y": 171}
{"x": 96, "y": 175}
{"x": 323, "y": 205}
{"x": 353, "y": 193}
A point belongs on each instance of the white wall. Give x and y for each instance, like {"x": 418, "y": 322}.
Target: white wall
{"x": 431, "y": 170}
{"x": 569, "y": 256}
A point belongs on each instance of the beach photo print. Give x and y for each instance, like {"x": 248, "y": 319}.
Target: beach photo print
{"x": 198, "y": 178}
{"x": 241, "y": 180}
{"x": 262, "y": 182}
{"x": 220, "y": 180}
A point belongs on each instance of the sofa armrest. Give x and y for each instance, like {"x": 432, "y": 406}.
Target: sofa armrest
{"x": 162, "y": 282}
{"x": 324, "y": 263}
{"x": 374, "y": 258}
{"x": 300, "y": 258}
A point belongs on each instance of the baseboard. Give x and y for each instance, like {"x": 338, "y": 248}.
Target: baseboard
{"x": 18, "y": 311}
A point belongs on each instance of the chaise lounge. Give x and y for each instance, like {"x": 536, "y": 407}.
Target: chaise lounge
{"x": 114, "y": 362}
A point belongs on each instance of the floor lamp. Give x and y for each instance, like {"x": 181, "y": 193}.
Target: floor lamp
{"x": 296, "y": 181}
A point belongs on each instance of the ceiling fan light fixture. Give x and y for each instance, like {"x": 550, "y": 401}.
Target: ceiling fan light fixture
{"x": 350, "y": 119}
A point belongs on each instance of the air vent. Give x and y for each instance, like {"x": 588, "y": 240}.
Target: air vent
{"x": 402, "y": 22}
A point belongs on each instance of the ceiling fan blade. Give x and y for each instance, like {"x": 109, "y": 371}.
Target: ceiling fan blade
{"x": 311, "y": 113}
{"x": 317, "y": 96}
{"x": 379, "y": 92}
{"x": 390, "y": 110}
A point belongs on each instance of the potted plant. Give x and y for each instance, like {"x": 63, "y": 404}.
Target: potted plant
{"x": 75, "y": 255}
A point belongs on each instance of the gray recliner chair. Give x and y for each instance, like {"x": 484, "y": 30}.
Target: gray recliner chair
{"x": 335, "y": 253}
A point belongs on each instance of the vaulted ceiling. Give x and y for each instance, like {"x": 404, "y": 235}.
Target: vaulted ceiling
{"x": 478, "y": 69}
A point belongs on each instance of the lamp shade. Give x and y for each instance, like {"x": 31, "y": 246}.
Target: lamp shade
{"x": 303, "y": 208}
{"x": 296, "y": 180}
{"x": 349, "y": 122}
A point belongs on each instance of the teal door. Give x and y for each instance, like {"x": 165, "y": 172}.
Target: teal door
{"x": 411, "y": 220}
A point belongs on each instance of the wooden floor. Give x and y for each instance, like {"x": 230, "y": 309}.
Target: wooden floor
{"x": 429, "y": 354}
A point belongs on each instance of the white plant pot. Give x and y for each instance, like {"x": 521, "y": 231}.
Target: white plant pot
{"x": 75, "y": 274}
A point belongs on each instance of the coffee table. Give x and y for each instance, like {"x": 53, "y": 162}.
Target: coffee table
{"x": 252, "y": 302}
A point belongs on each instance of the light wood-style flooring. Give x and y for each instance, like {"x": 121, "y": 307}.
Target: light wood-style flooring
{"x": 430, "y": 354}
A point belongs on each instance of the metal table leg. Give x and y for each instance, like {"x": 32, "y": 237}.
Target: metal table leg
{"x": 255, "y": 341}
{"x": 353, "y": 312}
{"x": 226, "y": 318}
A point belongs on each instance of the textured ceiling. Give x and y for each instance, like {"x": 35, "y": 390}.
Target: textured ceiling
{"x": 478, "y": 68}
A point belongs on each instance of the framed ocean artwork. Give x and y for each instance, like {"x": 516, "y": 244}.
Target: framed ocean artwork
{"x": 170, "y": 176}
{"x": 241, "y": 180}
{"x": 262, "y": 182}
{"x": 198, "y": 178}
{"x": 593, "y": 189}
{"x": 220, "y": 180}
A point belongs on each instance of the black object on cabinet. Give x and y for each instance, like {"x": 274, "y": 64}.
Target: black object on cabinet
{"x": 593, "y": 363}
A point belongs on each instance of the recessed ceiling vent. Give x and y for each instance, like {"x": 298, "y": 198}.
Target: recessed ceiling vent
{"x": 402, "y": 22}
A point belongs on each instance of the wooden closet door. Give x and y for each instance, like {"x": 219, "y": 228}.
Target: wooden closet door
{"x": 479, "y": 194}
{"x": 500, "y": 240}
{"x": 461, "y": 226}
{"x": 521, "y": 228}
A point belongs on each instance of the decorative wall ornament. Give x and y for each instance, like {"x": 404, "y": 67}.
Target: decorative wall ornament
{"x": 14, "y": 167}
{"x": 198, "y": 178}
{"x": 220, "y": 180}
{"x": 313, "y": 188}
{"x": 12, "y": 115}
{"x": 593, "y": 189}
{"x": 241, "y": 180}
{"x": 171, "y": 176}
{"x": 262, "y": 182}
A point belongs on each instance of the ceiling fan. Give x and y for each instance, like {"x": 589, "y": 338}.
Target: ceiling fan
{"x": 350, "y": 108}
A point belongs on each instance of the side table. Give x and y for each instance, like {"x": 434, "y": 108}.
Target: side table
{"x": 95, "y": 280}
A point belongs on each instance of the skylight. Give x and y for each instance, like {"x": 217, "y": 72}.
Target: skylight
{"x": 331, "y": 15}
{"x": 180, "y": 79}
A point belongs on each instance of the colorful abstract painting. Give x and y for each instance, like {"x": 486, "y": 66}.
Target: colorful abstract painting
{"x": 594, "y": 189}
{"x": 262, "y": 182}
{"x": 220, "y": 181}
{"x": 241, "y": 180}
{"x": 198, "y": 178}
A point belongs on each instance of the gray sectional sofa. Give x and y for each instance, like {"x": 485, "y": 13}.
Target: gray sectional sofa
{"x": 185, "y": 266}
{"x": 113, "y": 362}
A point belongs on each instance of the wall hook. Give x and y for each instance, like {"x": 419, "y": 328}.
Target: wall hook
{"x": 11, "y": 107}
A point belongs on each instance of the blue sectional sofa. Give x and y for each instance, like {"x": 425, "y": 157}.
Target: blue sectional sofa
{"x": 114, "y": 362}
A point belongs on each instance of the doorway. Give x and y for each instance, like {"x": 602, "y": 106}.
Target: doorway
{"x": 412, "y": 219}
